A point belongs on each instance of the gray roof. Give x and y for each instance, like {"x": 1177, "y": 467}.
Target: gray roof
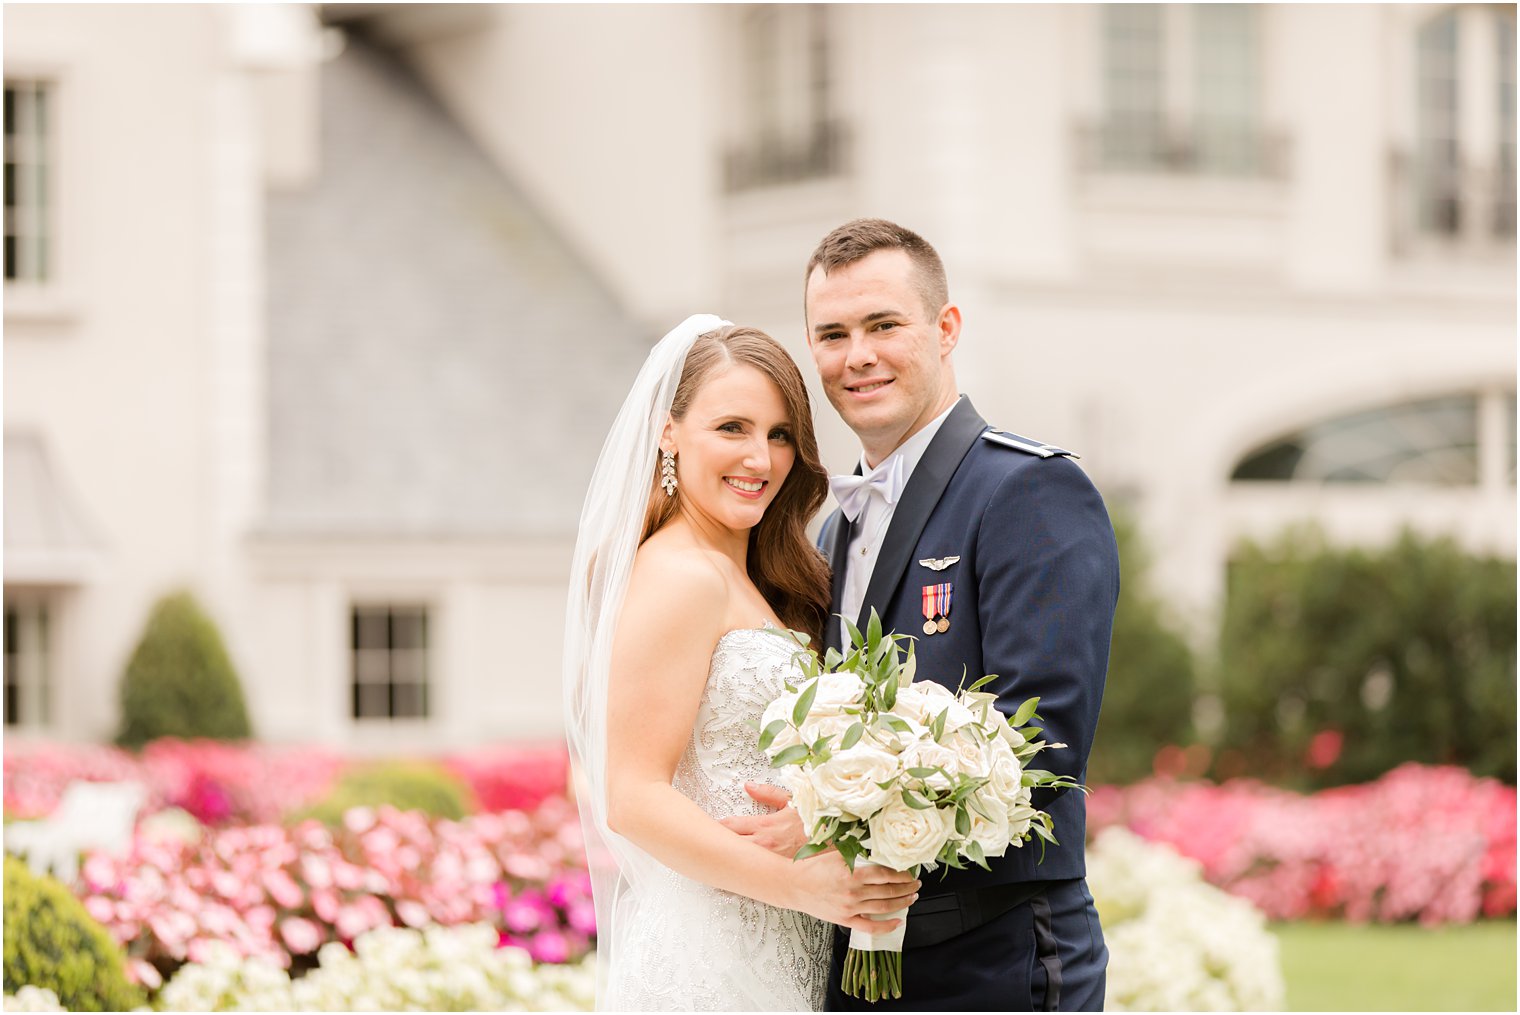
{"x": 441, "y": 362}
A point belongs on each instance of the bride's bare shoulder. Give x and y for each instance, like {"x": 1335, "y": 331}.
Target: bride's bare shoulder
{"x": 675, "y": 580}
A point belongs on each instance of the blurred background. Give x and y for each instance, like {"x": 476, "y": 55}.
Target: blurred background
{"x": 315, "y": 317}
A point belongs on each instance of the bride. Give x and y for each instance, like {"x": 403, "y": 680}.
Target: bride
{"x": 692, "y": 561}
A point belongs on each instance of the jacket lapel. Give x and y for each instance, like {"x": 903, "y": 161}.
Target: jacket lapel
{"x": 838, "y": 550}
{"x": 941, "y": 458}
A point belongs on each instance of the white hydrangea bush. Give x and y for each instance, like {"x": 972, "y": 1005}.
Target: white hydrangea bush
{"x": 33, "y": 999}
{"x": 1175, "y": 942}
{"x": 391, "y": 969}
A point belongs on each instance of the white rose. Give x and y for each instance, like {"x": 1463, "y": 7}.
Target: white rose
{"x": 991, "y": 833}
{"x": 1020, "y": 818}
{"x": 849, "y": 779}
{"x": 912, "y": 704}
{"x": 810, "y": 807}
{"x": 781, "y": 708}
{"x": 835, "y": 691}
{"x": 1006, "y": 775}
{"x": 834, "y": 726}
{"x": 970, "y": 752}
{"x": 940, "y": 698}
{"x": 904, "y": 837}
{"x": 928, "y": 754}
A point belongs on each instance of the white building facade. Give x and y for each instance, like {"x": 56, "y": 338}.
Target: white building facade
{"x": 1256, "y": 264}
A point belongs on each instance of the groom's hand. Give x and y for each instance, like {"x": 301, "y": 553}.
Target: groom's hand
{"x": 781, "y": 830}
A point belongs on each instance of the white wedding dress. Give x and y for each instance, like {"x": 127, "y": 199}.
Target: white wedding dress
{"x": 684, "y": 946}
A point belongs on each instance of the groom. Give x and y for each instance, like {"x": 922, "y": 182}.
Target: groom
{"x": 996, "y": 553}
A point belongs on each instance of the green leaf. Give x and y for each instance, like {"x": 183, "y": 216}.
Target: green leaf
{"x": 1025, "y": 712}
{"x": 1044, "y": 833}
{"x": 851, "y": 736}
{"x": 962, "y": 821}
{"x": 873, "y": 629}
{"x": 989, "y": 678}
{"x": 897, "y": 723}
{"x": 1030, "y": 732}
{"x": 974, "y": 851}
{"x": 924, "y": 772}
{"x": 793, "y": 755}
{"x": 832, "y": 658}
{"x": 937, "y": 727}
{"x": 804, "y": 704}
{"x": 811, "y": 849}
{"x": 773, "y": 730}
{"x": 854, "y": 633}
{"x": 915, "y": 801}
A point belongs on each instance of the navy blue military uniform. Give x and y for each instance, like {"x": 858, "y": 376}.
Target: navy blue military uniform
{"x": 1033, "y": 601}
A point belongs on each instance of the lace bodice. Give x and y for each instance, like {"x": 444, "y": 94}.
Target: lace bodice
{"x": 749, "y": 670}
{"x": 694, "y": 947}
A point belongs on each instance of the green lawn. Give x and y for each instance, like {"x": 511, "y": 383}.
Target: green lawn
{"x": 1344, "y": 967}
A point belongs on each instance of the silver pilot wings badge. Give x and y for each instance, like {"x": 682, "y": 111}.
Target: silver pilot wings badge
{"x": 938, "y": 563}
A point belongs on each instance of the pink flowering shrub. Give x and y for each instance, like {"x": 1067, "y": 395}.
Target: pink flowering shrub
{"x": 513, "y": 778}
{"x": 217, "y": 782}
{"x": 1433, "y": 844}
{"x": 279, "y": 892}
{"x": 224, "y": 783}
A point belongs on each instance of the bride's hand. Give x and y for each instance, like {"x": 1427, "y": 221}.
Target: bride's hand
{"x": 780, "y": 831}
{"x": 826, "y": 888}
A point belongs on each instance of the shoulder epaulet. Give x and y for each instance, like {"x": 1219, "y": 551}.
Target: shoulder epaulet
{"x": 1024, "y": 444}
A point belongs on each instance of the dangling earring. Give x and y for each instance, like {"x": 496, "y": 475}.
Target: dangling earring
{"x": 668, "y": 472}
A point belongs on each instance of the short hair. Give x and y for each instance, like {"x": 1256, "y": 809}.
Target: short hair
{"x": 858, "y": 239}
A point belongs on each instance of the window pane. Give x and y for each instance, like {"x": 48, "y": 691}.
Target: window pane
{"x": 1504, "y": 211}
{"x": 410, "y": 701}
{"x": 372, "y": 701}
{"x": 786, "y": 131}
{"x": 1227, "y": 48}
{"x": 406, "y": 629}
{"x": 1133, "y": 129}
{"x": 1436, "y": 164}
{"x": 1432, "y": 442}
{"x": 12, "y": 668}
{"x": 1509, "y": 409}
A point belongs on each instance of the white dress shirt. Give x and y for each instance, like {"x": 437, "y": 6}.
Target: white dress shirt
{"x": 871, "y": 527}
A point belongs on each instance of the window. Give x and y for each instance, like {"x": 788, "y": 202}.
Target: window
{"x": 28, "y": 183}
{"x": 786, "y": 131}
{"x": 1504, "y": 210}
{"x": 390, "y": 662}
{"x": 1437, "y": 158}
{"x": 1431, "y": 442}
{"x": 1462, "y": 188}
{"x": 26, "y": 662}
{"x": 1181, "y": 89}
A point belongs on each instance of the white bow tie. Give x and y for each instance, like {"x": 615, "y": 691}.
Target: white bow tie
{"x": 851, "y": 491}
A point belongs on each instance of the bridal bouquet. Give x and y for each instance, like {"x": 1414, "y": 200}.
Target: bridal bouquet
{"x": 909, "y": 775}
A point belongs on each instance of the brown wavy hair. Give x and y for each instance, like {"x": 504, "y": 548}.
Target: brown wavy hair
{"x": 785, "y": 566}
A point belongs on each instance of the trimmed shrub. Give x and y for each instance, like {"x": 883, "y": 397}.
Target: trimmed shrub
{"x": 405, "y": 785}
{"x": 1337, "y": 665}
{"x": 51, "y": 942}
{"x": 1148, "y": 697}
{"x": 179, "y": 681}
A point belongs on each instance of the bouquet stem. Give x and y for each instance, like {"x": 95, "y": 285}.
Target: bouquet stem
{"x": 872, "y": 975}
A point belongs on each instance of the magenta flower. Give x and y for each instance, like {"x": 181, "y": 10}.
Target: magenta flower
{"x": 549, "y": 946}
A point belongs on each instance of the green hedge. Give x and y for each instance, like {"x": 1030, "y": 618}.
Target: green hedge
{"x": 179, "y": 681}
{"x": 50, "y": 941}
{"x": 1148, "y": 697}
{"x": 405, "y": 785}
{"x": 1405, "y": 653}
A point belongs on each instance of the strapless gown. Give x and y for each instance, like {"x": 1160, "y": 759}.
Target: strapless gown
{"x": 684, "y": 946}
